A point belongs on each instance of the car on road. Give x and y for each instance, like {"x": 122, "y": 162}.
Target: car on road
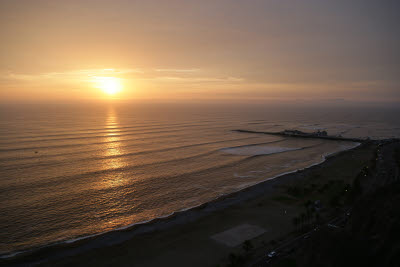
{"x": 271, "y": 254}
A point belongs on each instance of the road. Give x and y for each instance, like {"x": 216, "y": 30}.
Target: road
{"x": 385, "y": 172}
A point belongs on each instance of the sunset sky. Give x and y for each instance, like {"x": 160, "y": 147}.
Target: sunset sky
{"x": 200, "y": 50}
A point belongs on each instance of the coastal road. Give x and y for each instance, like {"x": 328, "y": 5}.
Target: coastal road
{"x": 385, "y": 172}
{"x": 287, "y": 247}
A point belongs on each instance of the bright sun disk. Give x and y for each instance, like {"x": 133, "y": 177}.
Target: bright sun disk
{"x": 109, "y": 85}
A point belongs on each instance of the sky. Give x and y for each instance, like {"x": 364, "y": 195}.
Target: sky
{"x": 226, "y": 50}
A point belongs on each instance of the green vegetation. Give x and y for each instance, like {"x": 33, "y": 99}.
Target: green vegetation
{"x": 285, "y": 199}
{"x": 335, "y": 193}
{"x": 370, "y": 239}
{"x": 236, "y": 260}
{"x": 288, "y": 262}
{"x": 247, "y": 246}
{"x": 397, "y": 156}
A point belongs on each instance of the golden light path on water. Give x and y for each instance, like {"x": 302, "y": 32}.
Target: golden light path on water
{"x": 115, "y": 202}
{"x": 113, "y": 151}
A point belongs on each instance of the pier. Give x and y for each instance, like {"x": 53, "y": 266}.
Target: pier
{"x": 296, "y": 133}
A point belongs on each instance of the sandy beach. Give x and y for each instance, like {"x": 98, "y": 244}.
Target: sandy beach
{"x": 200, "y": 133}
{"x": 186, "y": 237}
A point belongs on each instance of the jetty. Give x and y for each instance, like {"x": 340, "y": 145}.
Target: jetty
{"x": 317, "y": 134}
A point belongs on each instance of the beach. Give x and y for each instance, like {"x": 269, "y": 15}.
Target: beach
{"x": 90, "y": 170}
{"x": 194, "y": 133}
{"x": 186, "y": 237}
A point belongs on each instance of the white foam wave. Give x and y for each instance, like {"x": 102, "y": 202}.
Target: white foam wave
{"x": 256, "y": 150}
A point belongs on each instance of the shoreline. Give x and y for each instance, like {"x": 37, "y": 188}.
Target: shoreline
{"x": 113, "y": 237}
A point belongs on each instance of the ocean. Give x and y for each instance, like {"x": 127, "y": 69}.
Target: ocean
{"x": 70, "y": 171}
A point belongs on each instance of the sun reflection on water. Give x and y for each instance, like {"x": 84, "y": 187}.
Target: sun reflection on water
{"x": 113, "y": 151}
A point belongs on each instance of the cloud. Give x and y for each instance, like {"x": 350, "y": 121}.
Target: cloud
{"x": 153, "y": 76}
{"x": 198, "y": 79}
{"x": 177, "y": 70}
{"x": 68, "y": 75}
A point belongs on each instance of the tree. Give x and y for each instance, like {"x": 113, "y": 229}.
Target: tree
{"x": 302, "y": 219}
{"x": 247, "y": 246}
{"x": 235, "y": 260}
{"x": 296, "y": 221}
{"x": 317, "y": 218}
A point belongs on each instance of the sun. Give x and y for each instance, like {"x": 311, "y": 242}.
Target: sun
{"x": 109, "y": 85}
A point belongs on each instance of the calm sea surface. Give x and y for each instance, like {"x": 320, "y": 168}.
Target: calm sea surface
{"x": 71, "y": 171}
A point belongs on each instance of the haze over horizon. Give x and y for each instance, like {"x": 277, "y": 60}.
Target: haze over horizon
{"x": 200, "y": 50}
{"x": 199, "y": 133}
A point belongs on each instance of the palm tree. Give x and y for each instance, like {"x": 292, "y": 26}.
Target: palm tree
{"x": 296, "y": 221}
{"x": 302, "y": 219}
{"x": 247, "y": 246}
{"x": 317, "y": 218}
